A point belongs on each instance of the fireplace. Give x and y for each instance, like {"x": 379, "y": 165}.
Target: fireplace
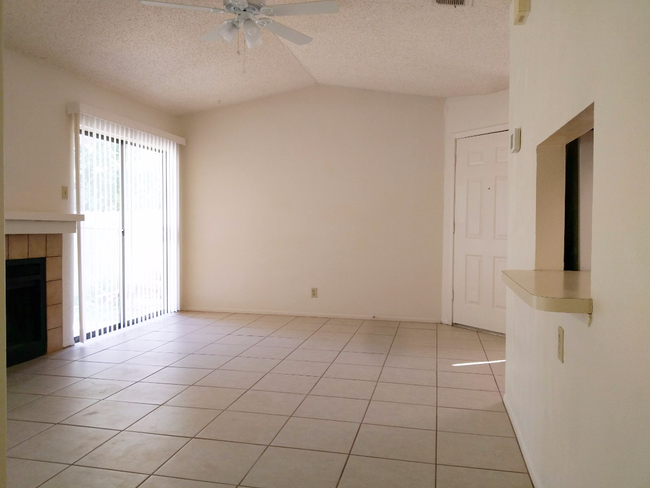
{"x": 26, "y": 310}
{"x": 34, "y": 295}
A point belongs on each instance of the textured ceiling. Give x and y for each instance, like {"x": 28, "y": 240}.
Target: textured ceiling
{"x": 156, "y": 55}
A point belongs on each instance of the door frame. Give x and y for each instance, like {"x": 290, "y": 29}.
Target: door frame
{"x": 449, "y": 216}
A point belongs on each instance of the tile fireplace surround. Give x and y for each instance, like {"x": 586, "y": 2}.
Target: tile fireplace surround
{"x": 49, "y": 246}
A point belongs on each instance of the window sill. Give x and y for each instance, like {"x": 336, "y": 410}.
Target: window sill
{"x": 552, "y": 291}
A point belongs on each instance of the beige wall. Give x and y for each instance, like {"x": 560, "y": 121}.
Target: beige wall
{"x": 326, "y": 187}
{"x": 585, "y": 423}
{"x": 38, "y": 141}
{"x": 38, "y": 147}
{"x": 477, "y": 114}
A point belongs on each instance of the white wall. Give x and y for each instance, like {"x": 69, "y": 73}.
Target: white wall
{"x": 585, "y": 423}
{"x": 38, "y": 148}
{"x": 38, "y": 141}
{"x": 326, "y": 187}
{"x": 476, "y": 114}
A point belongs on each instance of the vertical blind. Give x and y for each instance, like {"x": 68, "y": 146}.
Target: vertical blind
{"x": 128, "y": 244}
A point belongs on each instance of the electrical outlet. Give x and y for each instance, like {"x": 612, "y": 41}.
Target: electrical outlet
{"x": 64, "y": 192}
{"x": 314, "y": 292}
{"x": 560, "y": 344}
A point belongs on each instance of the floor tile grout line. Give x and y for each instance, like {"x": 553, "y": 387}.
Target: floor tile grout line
{"x": 293, "y": 349}
{"x": 490, "y": 365}
{"x": 509, "y": 419}
{"x": 247, "y": 348}
{"x": 197, "y": 435}
{"x": 437, "y": 386}
{"x": 157, "y": 407}
{"x": 30, "y": 437}
{"x": 57, "y": 474}
{"x": 472, "y": 409}
{"x": 121, "y": 431}
{"x": 83, "y": 456}
{"x": 144, "y": 480}
{"x": 173, "y": 365}
{"x": 289, "y": 417}
{"x": 345, "y": 464}
{"x": 303, "y": 400}
{"x": 124, "y": 362}
{"x": 482, "y": 469}
{"x": 117, "y": 432}
{"x": 247, "y": 390}
{"x": 108, "y": 398}
{"x": 124, "y": 471}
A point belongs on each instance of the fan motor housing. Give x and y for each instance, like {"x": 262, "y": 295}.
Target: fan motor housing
{"x": 239, "y": 7}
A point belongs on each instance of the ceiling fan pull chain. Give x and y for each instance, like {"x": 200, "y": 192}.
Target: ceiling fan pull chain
{"x": 245, "y": 61}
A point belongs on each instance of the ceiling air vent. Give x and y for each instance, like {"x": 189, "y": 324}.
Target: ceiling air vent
{"x": 455, "y": 3}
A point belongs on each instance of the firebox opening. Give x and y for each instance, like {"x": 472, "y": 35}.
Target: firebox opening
{"x": 26, "y": 310}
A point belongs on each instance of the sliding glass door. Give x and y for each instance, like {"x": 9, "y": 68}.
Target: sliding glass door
{"x": 100, "y": 176}
{"x": 128, "y": 243}
{"x": 144, "y": 223}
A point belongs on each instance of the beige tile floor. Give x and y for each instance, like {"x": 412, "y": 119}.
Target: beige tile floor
{"x": 197, "y": 400}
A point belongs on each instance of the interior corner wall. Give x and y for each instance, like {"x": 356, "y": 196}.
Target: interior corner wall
{"x": 334, "y": 188}
{"x": 3, "y": 321}
{"x": 38, "y": 142}
{"x": 463, "y": 114}
{"x": 584, "y": 423}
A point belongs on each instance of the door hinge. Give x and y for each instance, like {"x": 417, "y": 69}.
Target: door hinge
{"x": 452, "y": 295}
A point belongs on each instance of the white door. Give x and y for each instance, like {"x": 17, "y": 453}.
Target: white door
{"x": 481, "y": 231}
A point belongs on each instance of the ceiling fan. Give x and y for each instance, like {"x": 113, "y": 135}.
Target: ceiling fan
{"x": 253, "y": 15}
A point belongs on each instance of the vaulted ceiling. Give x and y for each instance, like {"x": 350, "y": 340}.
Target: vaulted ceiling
{"x": 155, "y": 54}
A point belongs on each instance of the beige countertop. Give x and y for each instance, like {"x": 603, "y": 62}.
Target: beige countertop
{"x": 552, "y": 291}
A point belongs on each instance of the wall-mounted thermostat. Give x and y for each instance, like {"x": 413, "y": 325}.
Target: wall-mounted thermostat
{"x": 522, "y": 9}
{"x": 515, "y": 140}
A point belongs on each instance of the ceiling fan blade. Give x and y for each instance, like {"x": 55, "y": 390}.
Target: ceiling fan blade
{"x": 287, "y": 32}
{"x": 179, "y": 5}
{"x": 242, "y": 4}
{"x": 309, "y": 8}
{"x": 226, "y": 30}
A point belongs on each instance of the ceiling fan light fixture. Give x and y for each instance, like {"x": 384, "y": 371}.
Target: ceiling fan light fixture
{"x": 252, "y": 33}
{"x": 229, "y": 31}
{"x": 247, "y": 16}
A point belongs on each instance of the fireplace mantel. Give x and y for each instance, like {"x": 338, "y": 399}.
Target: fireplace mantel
{"x": 41, "y": 222}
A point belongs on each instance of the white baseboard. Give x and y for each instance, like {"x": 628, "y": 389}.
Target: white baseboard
{"x": 317, "y": 314}
{"x": 537, "y": 483}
